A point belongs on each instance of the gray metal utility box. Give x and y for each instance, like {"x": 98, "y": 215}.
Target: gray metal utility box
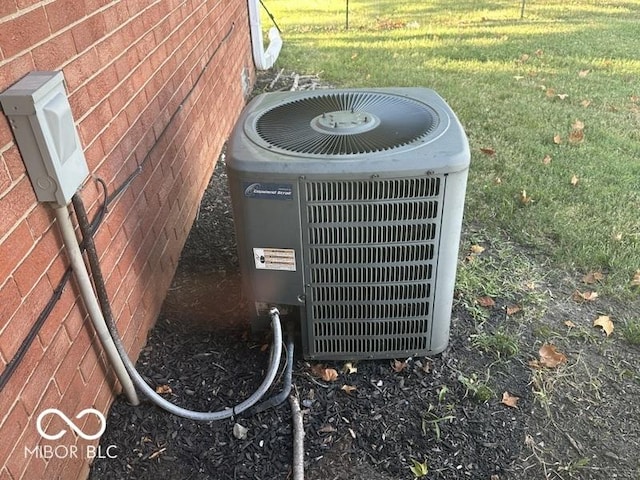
{"x": 348, "y": 207}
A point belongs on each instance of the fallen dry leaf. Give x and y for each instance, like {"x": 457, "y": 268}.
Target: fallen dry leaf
{"x": 398, "y": 366}
{"x": 477, "y": 249}
{"x": 163, "y": 389}
{"x": 557, "y": 139}
{"x": 349, "y": 368}
{"x": 583, "y": 73}
{"x": 327, "y": 429}
{"x": 576, "y": 137}
{"x": 348, "y": 389}
{"x": 488, "y": 151}
{"x": 510, "y": 400}
{"x": 574, "y": 180}
{"x": 578, "y": 125}
{"x": 593, "y": 277}
{"x": 635, "y": 281}
{"x": 586, "y": 296}
{"x": 497, "y": 181}
{"x": 524, "y": 198}
{"x": 486, "y": 302}
{"x": 550, "y": 357}
{"x": 617, "y": 237}
{"x": 604, "y": 322}
{"x": 550, "y": 93}
{"x": 322, "y": 372}
{"x": 539, "y": 52}
{"x": 585, "y": 103}
{"x": 563, "y": 96}
{"x": 569, "y": 324}
{"x": 547, "y": 159}
{"x": 513, "y": 309}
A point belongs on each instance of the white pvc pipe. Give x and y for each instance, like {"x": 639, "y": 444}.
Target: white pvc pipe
{"x": 263, "y": 59}
{"x": 91, "y": 303}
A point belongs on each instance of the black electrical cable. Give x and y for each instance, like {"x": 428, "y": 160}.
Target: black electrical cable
{"x": 270, "y": 16}
{"x": 279, "y": 398}
{"x": 8, "y": 371}
{"x": 35, "y": 328}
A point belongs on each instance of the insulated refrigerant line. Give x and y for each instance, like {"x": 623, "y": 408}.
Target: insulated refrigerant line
{"x": 90, "y": 302}
{"x": 137, "y": 379}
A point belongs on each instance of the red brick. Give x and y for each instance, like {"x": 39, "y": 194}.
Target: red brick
{"x": 8, "y": 7}
{"x": 110, "y": 138}
{"x": 16, "y": 461}
{"x": 9, "y": 301}
{"x": 111, "y": 47}
{"x": 18, "y": 243}
{"x": 89, "y": 31}
{"x": 55, "y": 52}
{"x": 93, "y": 5}
{"x": 40, "y": 220}
{"x": 100, "y": 85}
{"x": 81, "y": 69}
{"x": 19, "y": 33}
{"x": 94, "y": 155}
{"x": 57, "y": 269}
{"x": 70, "y": 365}
{"x": 125, "y": 64}
{"x": 5, "y": 178}
{"x": 80, "y": 102}
{"x": 64, "y": 12}
{"x": 90, "y": 359}
{"x": 36, "y": 467}
{"x": 17, "y": 68}
{"x": 76, "y": 320}
{"x": 27, "y": 3}
{"x": 16, "y": 330}
{"x": 22, "y": 372}
{"x": 37, "y": 262}
{"x": 15, "y": 204}
{"x": 60, "y": 311}
{"x": 135, "y": 108}
{"x": 6, "y": 136}
{"x": 50, "y": 398}
{"x": 94, "y": 122}
{"x": 14, "y": 163}
{"x": 12, "y": 427}
{"x": 115, "y": 16}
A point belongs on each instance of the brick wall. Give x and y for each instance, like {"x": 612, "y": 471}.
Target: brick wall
{"x": 129, "y": 66}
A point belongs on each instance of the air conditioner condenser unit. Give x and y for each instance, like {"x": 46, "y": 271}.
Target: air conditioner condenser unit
{"x": 348, "y": 209}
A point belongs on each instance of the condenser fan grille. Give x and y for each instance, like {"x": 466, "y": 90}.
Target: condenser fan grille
{"x": 346, "y": 123}
{"x": 371, "y": 248}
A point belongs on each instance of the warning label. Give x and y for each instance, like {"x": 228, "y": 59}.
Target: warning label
{"x": 275, "y": 259}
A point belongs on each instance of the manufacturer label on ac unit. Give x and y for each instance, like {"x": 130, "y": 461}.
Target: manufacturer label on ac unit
{"x": 275, "y": 259}
{"x": 269, "y": 191}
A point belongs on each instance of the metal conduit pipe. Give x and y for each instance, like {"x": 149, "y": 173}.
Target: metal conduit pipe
{"x": 137, "y": 379}
{"x": 91, "y": 304}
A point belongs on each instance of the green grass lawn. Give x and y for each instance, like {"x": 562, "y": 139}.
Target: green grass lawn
{"x": 519, "y": 86}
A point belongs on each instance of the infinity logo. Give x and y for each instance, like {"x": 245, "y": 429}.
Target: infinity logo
{"x": 73, "y": 426}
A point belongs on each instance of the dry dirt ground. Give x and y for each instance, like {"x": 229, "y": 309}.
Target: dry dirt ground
{"x": 579, "y": 420}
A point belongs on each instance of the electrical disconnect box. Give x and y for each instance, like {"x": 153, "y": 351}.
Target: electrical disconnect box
{"x": 40, "y": 116}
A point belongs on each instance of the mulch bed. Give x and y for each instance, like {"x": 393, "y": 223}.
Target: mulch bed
{"x": 202, "y": 355}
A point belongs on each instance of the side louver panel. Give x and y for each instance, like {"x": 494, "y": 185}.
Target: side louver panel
{"x": 370, "y": 249}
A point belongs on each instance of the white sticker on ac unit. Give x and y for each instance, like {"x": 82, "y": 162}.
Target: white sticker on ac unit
{"x": 275, "y": 259}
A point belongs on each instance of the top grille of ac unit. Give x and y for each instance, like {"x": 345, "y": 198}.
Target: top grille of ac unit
{"x": 346, "y": 123}
{"x": 358, "y": 196}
